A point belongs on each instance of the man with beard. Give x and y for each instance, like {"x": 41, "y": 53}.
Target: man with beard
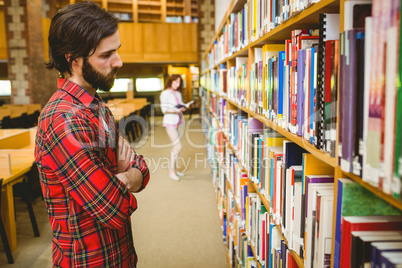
{"x": 88, "y": 171}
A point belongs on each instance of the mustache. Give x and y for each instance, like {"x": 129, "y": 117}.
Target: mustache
{"x": 114, "y": 71}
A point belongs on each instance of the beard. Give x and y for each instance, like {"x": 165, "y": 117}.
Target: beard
{"x": 96, "y": 79}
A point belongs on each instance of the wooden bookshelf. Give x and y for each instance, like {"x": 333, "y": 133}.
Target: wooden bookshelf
{"x": 264, "y": 200}
{"x": 143, "y": 10}
{"x": 307, "y": 18}
{"x": 255, "y": 255}
{"x": 325, "y": 157}
{"x": 147, "y": 3}
{"x": 390, "y": 199}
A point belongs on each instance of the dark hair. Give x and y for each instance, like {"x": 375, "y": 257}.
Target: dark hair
{"x": 77, "y": 29}
{"x": 172, "y": 78}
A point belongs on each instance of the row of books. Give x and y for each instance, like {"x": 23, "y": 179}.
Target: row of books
{"x": 250, "y": 236}
{"x": 297, "y": 87}
{"x": 234, "y": 37}
{"x": 300, "y": 192}
{"x": 358, "y": 209}
{"x": 371, "y": 99}
{"x": 264, "y": 15}
{"x": 293, "y": 84}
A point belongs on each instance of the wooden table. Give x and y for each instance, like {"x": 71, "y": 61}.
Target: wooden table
{"x": 18, "y": 109}
{"x": 122, "y": 110}
{"x": 21, "y": 161}
{"x": 18, "y": 146}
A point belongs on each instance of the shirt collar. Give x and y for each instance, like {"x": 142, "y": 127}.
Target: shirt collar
{"x": 76, "y": 91}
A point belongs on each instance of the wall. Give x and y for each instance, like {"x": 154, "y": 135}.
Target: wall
{"x": 158, "y": 42}
{"x": 206, "y": 25}
{"x": 220, "y": 10}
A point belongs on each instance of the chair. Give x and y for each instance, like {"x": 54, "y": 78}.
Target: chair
{"x": 195, "y": 108}
{"x": 32, "y": 119}
{"x": 134, "y": 128}
{"x": 6, "y": 122}
{"x": 3, "y": 234}
{"x": 28, "y": 190}
{"x": 20, "y": 121}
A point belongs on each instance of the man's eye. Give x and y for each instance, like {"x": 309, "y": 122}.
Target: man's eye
{"x": 106, "y": 55}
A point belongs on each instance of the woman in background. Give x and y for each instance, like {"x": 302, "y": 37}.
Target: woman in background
{"x": 172, "y": 107}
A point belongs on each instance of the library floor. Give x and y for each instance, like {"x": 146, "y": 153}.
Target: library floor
{"x": 176, "y": 223}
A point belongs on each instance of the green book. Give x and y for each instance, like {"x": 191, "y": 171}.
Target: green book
{"x": 359, "y": 201}
{"x": 398, "y": 124}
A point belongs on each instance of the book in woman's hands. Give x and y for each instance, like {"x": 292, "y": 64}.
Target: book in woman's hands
{"x": 186, "y": 105}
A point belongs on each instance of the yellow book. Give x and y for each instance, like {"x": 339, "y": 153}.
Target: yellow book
{"x": 275, "y": 141}
{"x": 313, "y": 166}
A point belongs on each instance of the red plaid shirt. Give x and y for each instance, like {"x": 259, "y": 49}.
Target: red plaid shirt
{"x": 89, "y": 208}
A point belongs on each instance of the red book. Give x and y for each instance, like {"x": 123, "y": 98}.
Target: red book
{"x": 267, "y": 239}
{"x": 364, "y": 223}
{"x": 263, "y": 249}
{"x": 328, "y": 71}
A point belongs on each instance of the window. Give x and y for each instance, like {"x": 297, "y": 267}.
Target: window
{"x": 122, "y": 85}
{"x": 149, "y": 84}
{"x": 5, "y": 88}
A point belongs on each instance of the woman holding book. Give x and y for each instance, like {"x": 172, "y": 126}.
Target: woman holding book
{"x": 172, "y": 107}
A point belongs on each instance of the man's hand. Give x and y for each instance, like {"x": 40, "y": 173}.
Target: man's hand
{"x": 124, "y": 155}
{"x": 132, "y": 178}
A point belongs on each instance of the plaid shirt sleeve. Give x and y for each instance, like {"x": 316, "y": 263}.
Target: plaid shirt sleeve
{"x": 71, "y": 154}
{"x": 139, "y": 163}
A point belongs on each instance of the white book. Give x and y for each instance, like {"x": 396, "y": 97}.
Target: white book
{"x": 310, "y": 219}
{"x": 297, "y": 234}
{"x": 240, "y": 61}
{"x": 367, "y": 70}
{"x": 286, "y": 204}
{"x": 278, "y": 191}
{"x": 325, "y": 231}
{"x": 390, "y": 97}
{"x": 290, "y": 204}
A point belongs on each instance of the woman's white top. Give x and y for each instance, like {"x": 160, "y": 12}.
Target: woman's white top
{"x": 169, "y": 99}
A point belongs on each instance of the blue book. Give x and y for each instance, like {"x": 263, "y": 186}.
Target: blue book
{"x": 390, "y": 259}
{"x": 284, "y": 249}
{"x": 244, "y": 199}
{"x": 338, "y": 220}
{"x": 379, "y": 247}
{"x": 282, "y": 58}
{"x": 293, "y": 154}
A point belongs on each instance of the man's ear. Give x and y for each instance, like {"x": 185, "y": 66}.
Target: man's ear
{"x": 68, "y": 56}
{"x": 74, "y": 62}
